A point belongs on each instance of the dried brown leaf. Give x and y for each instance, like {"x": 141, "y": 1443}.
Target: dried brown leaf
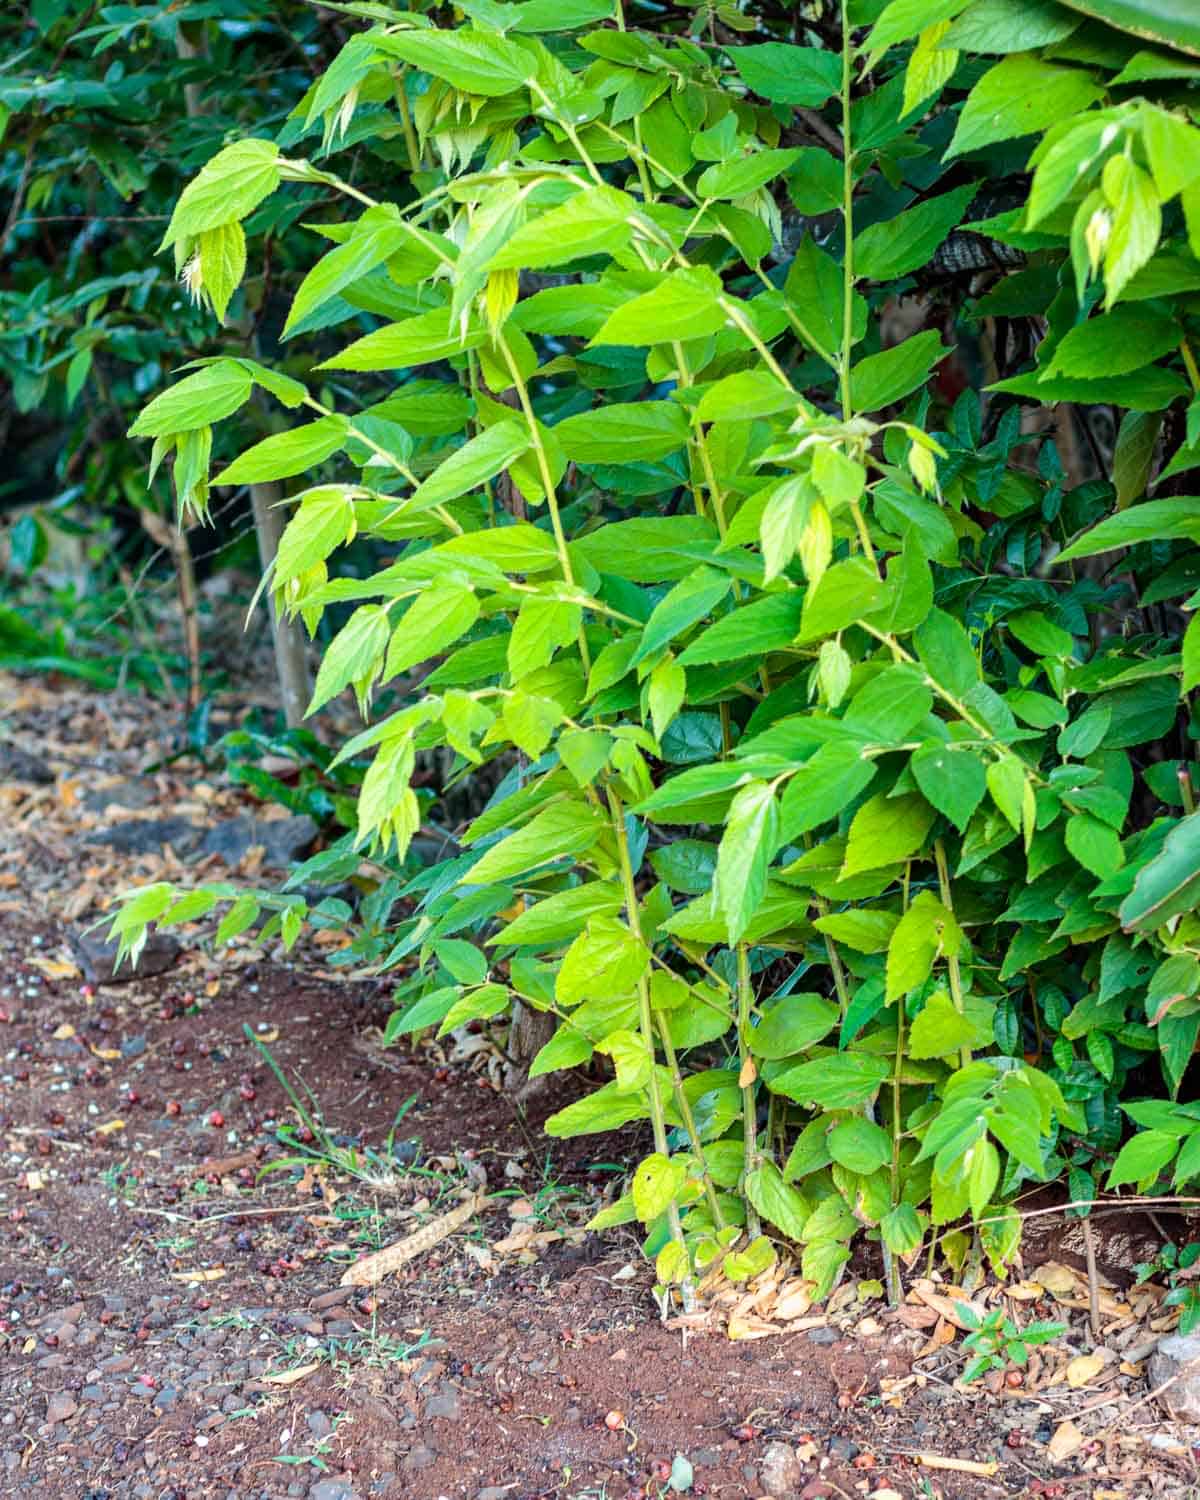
{"x": 1067, "y": 1439}
{"x": 373, "y": 1268}
{"x": 1083, "y": 1369}
{"x": 292, "y": 1377}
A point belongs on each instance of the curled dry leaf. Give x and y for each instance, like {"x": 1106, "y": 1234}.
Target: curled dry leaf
{"x": 55, "y": 968}
{"x": 1083, "y": 1369}
{"x": 749, "y": 1326}
{"x": 916, "y": 1315}
{"x": 942, "y": 1335}
{"x": 795, "y": 1299}
{"x": 1067, "y": 1439}
{"x": 292, "y": 1377}
{"x": 373, "y": 1268}
{"x": 958, "y": 1465}
{"x": 194, "y": 1278}
{"x": 482, "y": 1256}
{"x": 1059, "y": 1280}
{"x": 948, "y": 1307}
{"x": 525, "y": 1239}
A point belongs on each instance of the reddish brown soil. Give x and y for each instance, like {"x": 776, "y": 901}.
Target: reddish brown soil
{"x": 468, "y": 1373}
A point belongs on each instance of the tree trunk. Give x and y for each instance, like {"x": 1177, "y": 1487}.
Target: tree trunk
{"x": 190, "y": 41}
{"x": 291, "y": 660}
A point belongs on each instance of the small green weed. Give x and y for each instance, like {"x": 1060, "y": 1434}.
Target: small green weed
{"x": 995, "y": 1341}
{"x": 552, "y": 1201}
{"x": 311, "y": 1140}
{"x": 1173, "y": 1263}
{"x": 319, "y": 1451}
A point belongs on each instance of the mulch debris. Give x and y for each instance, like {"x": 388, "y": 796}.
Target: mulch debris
{"x": 173, "y": 1323}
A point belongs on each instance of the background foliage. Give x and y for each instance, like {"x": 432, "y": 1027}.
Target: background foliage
{"x": 778, "y": 426}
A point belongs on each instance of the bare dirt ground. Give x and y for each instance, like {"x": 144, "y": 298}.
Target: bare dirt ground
{"x": 171, "y": 1318}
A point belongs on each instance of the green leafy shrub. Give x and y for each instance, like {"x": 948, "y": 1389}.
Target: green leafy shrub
{"x": 849, "y": 813}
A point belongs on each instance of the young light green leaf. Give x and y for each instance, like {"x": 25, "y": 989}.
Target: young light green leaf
{"x": 198, "y": 400}
{"x": 743, "y": 175}
{"x": 542, "y": 627}
{"x": 768, "y": 624}
{"x": 377, "y": 236}
{"x": 420, "y": 340}
{"x": 644, "y": 430}
{"x": 284, "y": 454}
{"x": 685, "y": 305}
{"x": 1125, "y": 339}
{"x": 860, "y": 1146}
{"x": 1020, "y": 95}
{"x": 885, "y": 830}
{"x": 926, "y": 931}
{"x": 435, "y": 619}
{"x": 690, "y": 600}
{"x": 323, "y": 520}
{"x": 1153, "y": 520}
{"x": 594, "y": 222}
{"x": 747, "y": 847}
{"x": 882, "y": 379}
{"x": 901, "y": 20}
{"x": 477, "y": 62}
{"x": 355, "y": 654}
{"x": 793, "y": 1024}
{"x": 785, "y": 74}
{"x": 885, "y": 251}
{"x": 222, "y": 253}
{"x": 953, "y": 780}
{"x": 563, "y": 829}
{"x": 776, "y": 1200}
{"x": 479, "y": 459}
{"x": 227, "y": 188}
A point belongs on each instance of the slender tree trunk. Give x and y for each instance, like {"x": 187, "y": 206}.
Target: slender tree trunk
{"x": 291, "y": 660}
{"x": 173, "y": 539}
{"x": 191, "y": 41}
{"x": 291, "y": 663}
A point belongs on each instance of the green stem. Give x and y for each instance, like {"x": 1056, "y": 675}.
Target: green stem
{"x": 1189, "y": 360}
{"x": 640, "y": 163}
{"x": 953, "y": 971}
{"x": 835, "y": 963}
{"x": 684, "y": 1107}
{"x": 406, "y": 122}
{"x": 749, "y": 1101}
{"x": 439, "y": 511}
{"x": 543, "y": 463}
{"x": 847, "y": 220}
{"x": 892, "y": 1270}
{"x": 645, "y": 1010}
